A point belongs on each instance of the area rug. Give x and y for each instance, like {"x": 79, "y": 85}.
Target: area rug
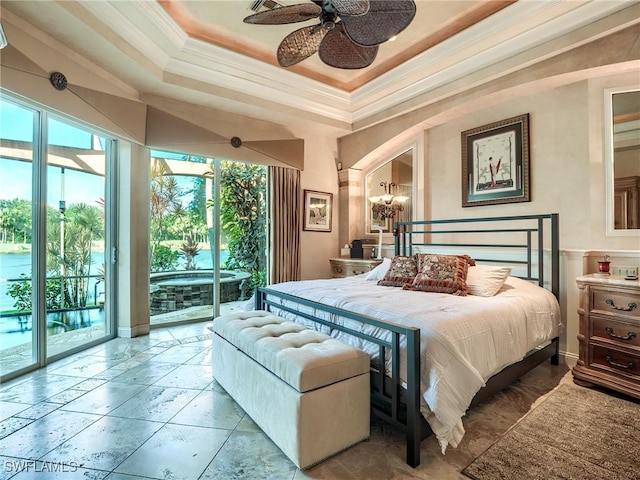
{"x": 575, "y": 433}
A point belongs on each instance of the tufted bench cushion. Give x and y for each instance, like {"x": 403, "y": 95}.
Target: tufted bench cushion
{"x": 307, "y": 391}
{"x": 304, "y": 359}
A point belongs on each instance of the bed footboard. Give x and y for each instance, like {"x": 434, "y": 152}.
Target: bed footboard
{"x": 393, "y": 399}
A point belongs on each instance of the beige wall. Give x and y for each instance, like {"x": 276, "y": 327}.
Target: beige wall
{"x": 559, "y": 162}
{"x": 320, "y": 174}
{"x": 567, "y": 177}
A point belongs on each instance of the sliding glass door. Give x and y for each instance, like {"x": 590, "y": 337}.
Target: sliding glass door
{"x": 17, "y": 336}
{"x": 55, "y": 216}
{"x": 208, "y": 235}
{"x": 75, "y": 237}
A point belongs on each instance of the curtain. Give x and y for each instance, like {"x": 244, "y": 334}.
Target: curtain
{"x": 285, "y": 215}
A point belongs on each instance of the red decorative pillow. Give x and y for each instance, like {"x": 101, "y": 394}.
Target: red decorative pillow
{"x": 401, "y": 272}
{"x": 441, "y": 274}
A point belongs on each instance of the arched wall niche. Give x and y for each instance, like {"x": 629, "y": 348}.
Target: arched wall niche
{"x": 355, "y": 208}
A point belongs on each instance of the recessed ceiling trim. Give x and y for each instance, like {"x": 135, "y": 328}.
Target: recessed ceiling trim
{"x": 216, "y": 57}
{"x": 415, "y": 80}
{"x": 226, "y": 78}
{"x": 129, "y": 31}
{"x": 475, "y": 48}
{"x": 471, "y": 46}
{"x": 113, "y": 14}
{"x": 164, "y": 21}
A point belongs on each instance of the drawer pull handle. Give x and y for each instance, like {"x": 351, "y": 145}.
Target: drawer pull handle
{"x": 630, "y": 335}
{"x": 619, "y": 365}
{"x": 628, "y": 308}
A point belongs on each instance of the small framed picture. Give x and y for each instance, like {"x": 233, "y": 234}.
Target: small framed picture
{"x": 317, "y": 211}
{"x": 495, "y": 163}
{"x": 376, "y": 223}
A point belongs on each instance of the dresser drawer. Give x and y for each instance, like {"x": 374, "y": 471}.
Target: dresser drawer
{"x": 615, "y": 361}
{"x": 616, "y": 331}
{"x": 618, "y": 303}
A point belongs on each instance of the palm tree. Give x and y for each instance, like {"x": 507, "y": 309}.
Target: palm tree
{"x": 90, "y": 223}
{"x": 83, "y": 225}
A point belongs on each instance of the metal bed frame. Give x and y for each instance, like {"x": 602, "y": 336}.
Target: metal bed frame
{"x": 399, "y": 404}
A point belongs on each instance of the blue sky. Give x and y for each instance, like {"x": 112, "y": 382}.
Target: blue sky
{"x": 16, "y": 123}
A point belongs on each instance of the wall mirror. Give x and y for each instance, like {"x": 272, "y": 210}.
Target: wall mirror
{"x": 623, "y": 160}
{"x": 389, "y": 193}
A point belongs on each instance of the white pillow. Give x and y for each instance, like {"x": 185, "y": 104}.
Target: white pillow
{"x": 380, "y": 271}
{"x": 486, "y": 281}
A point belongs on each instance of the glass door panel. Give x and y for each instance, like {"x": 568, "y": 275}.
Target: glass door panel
{"x": 17, "y": 332}
{"x": 207, "y": 236}
{"x": 76, "y": 262}
{"x": 243, "y": 227}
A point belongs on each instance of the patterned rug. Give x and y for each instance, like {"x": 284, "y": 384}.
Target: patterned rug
{"x": 575, "y": 433}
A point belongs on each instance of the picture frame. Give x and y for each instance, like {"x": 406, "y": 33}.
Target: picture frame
{"x": 375, "y": 222}
{"x": 317, "y": 211}
{"x": 495, "y": 163}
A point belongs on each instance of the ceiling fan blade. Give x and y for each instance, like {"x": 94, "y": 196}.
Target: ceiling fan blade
{"x": 385, "y": 19}
{"x": 283, "y": 15}
{"x": 351, "y": 7}
{"x": 300, "y": 44}
{"x": 337, "y": 50}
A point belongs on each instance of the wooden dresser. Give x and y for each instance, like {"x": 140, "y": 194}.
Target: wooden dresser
{"x": 346, "y": 267}
{"x": 609, "y": 334}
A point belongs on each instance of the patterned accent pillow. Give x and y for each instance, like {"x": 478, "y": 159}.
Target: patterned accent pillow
{"x": 470, "y": 261}
{"x": 418, "y": 258}
{"x": 401, "y": 272}
{"x": 441, "y": 274}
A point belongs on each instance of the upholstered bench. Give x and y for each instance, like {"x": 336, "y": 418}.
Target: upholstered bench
{"x": 307, "y": 391}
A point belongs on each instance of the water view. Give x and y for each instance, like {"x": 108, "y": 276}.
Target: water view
{"x": 16, "y": 328}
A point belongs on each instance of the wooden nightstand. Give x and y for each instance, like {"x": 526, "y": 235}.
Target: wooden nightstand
{"x": 609, "y": 334}
{"x": 346, "y": 267}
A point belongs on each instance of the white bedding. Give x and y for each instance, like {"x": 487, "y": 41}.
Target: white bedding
{"x": 464, "y": 340}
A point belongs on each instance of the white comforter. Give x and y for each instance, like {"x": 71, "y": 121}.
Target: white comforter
{"x": 464, "y": 340}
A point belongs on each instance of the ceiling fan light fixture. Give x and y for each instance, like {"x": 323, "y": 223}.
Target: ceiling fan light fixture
{"x": 348, "y": 34}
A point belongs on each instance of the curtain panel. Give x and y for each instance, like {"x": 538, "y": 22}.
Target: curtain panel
{"x": 285, "y": 214}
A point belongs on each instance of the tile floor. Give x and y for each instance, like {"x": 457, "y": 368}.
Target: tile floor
{"x": 148, "y": 408}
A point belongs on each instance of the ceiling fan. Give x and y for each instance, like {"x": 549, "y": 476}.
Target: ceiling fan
{"x": 348, "y": 34}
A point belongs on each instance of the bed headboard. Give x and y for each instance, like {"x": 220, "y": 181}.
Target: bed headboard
{"x": 527, "y": 243}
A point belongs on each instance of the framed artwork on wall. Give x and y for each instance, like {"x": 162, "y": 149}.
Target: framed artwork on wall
{"x": 495, "y": 163}
{"x": 317, "y": 211}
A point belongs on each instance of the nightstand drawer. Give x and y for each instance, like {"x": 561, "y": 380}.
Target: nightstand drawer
{"x": 615, "y": 361}
{"x": 346, "y": 267}
{"x": 616, "y": 331}
{"x": 618, "y": 303}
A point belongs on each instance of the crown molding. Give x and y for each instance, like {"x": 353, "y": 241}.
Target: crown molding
{"x": 509, "y": 32}
{"x": 227, "y": 69}
{"x": 436, "y": 67}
